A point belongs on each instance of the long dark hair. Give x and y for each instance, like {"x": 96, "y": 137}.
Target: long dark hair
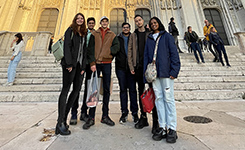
{"x": 20, "y": 38}
{"x": 161, "y": 26}
{"x": 74, "y": 25}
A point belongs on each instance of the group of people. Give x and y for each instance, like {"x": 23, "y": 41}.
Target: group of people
{"x": 90, "y": 50}
{"x": 213, "y": 38}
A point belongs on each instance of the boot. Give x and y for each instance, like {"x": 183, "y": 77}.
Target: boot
{"x": 62, "y": 129}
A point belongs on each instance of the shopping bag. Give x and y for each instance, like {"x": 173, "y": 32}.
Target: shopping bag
{"x": 93, "y": 91}
{"x": 148, "y": 100}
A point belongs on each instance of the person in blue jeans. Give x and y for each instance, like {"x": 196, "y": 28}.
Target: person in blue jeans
{"x": 216, "y": 40}
{"x": 168, "y": 67}
{"x": 125, "y": 78}
{"x": 192, "y": 40}
{"x": 17, "y": 46}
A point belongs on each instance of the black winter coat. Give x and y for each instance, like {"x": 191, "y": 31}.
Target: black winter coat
{"x": 121, "y": 57}
{"x": 175, "y": 30}
{"x": 71, "y": 49}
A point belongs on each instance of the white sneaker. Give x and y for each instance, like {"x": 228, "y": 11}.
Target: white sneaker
{"x": 8, "y": 84}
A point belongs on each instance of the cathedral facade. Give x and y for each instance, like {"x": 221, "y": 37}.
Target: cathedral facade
{"x": 56, "y": 15}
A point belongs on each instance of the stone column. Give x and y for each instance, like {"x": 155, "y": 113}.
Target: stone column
{"x": 241, "y": 40}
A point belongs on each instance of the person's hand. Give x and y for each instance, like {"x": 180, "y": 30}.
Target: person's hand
{"x": 93, "y": 68}
{"x": 82, "y": 72}
{"x": 132, "y": 72}
{"x": 12, "y": 58}
{"x": 69, "y": 69}
{"x": 171, "y": 77}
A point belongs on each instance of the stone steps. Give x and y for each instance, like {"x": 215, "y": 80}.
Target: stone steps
{"x": 39, "y": 78}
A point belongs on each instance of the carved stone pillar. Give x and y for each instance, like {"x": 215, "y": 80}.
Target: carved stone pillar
{"x": 241, "y": 40}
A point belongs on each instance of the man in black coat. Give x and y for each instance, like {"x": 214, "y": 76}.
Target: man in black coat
{"x": 173, "y": 30}
{"x": 125, "y": 78}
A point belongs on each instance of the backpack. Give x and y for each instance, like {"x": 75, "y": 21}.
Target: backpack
{"x": 58, "y": 48}
{"x": 170, "y": 30}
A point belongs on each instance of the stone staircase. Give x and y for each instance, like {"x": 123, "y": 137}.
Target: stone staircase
{"x": 39, "y": 79}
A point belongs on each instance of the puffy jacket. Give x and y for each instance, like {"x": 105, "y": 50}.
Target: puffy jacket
{"x": 121, "y": 57}
{"x": 167, "y": 60}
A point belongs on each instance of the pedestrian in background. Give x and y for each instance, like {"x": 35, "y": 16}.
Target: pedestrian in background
{"x": 173, "y": 30}
{"x": 18, "y": 47}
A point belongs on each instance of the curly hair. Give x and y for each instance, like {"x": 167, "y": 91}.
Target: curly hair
{"x": 74, "y": 25}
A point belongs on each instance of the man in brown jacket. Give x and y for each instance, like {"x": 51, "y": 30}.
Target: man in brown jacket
{"x": 136, "y": 48}
{"x": 106, "y": 47}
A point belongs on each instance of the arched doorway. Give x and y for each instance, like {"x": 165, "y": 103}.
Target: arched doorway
{"x": 117, "y": 17}
{"x": 213, "y": 16}
{"x": 145, "y": 13}
{"x": 48, "y": 20}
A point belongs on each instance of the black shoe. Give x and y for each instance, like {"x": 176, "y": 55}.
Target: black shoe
{"x": 203, "y": 61}
{"x": 171, "y": 136}
{"x": 135, "y": 118}
{"x": 198, "y": 62}
{"x": 84, "y": 117}
{"x": 215, "y": 59}
{"x": 61, "y": 129}
{"x": 160, "y": 134}
{"x": 107, "y": 120}
{"x": 228, "y": 65}
{"x": 73, "y": 121}
{"x": 155, "y": 126}
{"x": 88, "y": 124}
{"x": 142, "y": 123}
{"x": 66, "y": 125}
{"x": 123, "y": 118}
{"x": 181, "y": 51}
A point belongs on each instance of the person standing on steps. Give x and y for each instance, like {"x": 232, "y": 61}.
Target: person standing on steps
{"x": 206, "y": 31}
{"x": 73, "y": 68}
{"x": 125, "y": 78}
{"x": 18, "y": 47}
{"x": 174, "y": 32}
{"x": 89, "y": 69}
{"x": 106, "y": 47}
{"x": 216, "y": 40}
{"x": 192, "y": 40}
{"x": 136, "y": 48}
{"x": 168, "y": 67}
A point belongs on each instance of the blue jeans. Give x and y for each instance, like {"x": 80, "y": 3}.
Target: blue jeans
{"x": 165, "y": 103}
{"x": 127, "y": 81}
{"x": 195, "y": 47}
{"x": 12, "y": 67}
{"x": 106, "y": 72}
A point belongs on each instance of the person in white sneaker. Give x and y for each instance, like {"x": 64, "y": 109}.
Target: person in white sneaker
{"x": 17, "y": 46}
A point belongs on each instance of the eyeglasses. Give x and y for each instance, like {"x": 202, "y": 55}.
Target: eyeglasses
{"x": 125, "y": 27}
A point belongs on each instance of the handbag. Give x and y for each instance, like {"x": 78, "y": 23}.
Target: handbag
{"x": 148, "y": 100}
{"x": 58, "y": 49}
{"x": 151, "y": 70}
{"x": 93, "y": 91}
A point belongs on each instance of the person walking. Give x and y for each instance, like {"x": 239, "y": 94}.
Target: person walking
{"x": 174, "y": 32}
{"x": 106, "y": 47}
{"x": 192, "y": 40}
{"x": 73, "y": 68}
{"x": 136, "y": 48}
{"x": 217, "y": 41}
{"x": 18, "y": 47}
{"x": 168, "y": 67}
{"x": 206, "y": 31}
{"x": 90, "y": 67}
{"x": 125, "y": 78}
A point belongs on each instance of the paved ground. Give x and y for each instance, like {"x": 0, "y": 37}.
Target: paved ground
{"x": 21, "y": 126}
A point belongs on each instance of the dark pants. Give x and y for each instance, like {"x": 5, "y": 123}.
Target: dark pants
{"x": 195, "y": 47}
{"x": 214, "y": 52}
{"x": 76, "y": 78}
{"x": 127, "y": 81}
{"x": 176, "y": 41}
{"x": 106, "y": 72}
{"x": 221, "y": 48}
{"x": 141, "y": 87}
{"x": 84, "y": 107}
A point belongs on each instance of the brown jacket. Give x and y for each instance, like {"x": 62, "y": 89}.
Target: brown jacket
{"x": 133, "y": 49}
{"x": 105, "y": 51}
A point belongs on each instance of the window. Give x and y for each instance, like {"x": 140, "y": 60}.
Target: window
{"x": 117, "y": 17}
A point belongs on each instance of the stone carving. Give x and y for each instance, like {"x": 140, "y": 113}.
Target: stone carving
{"x": 170, "y": 4}
{"x": 26, "y": 4}
{"x": 209, "y": 2}
{"x": 237, "y": 4}
{"x": 54, "y": 3}
{"x": 91, "y": 4}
